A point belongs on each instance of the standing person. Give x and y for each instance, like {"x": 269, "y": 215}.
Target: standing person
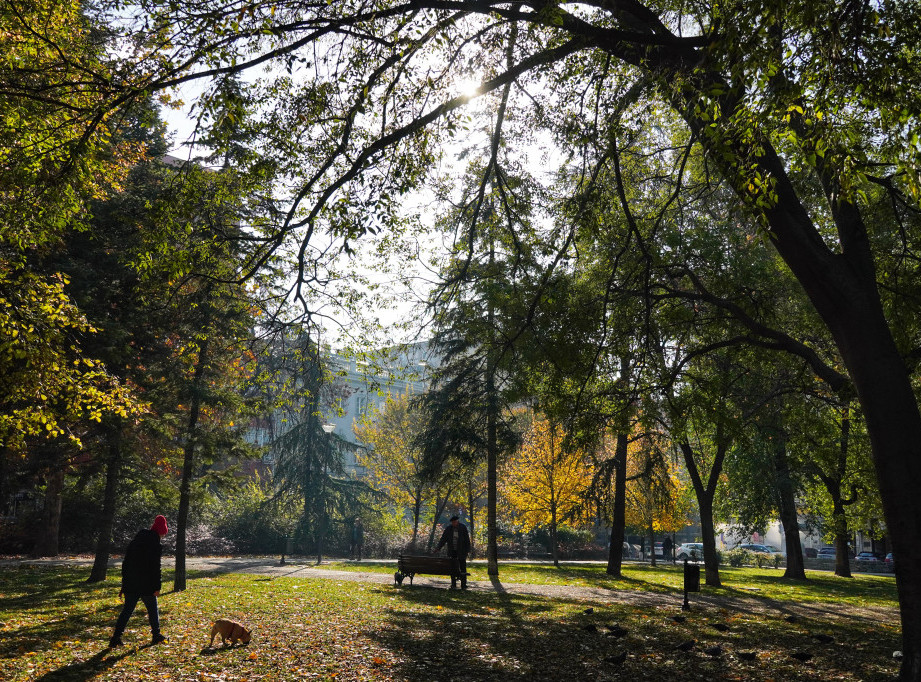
{"x": 667, "y": 550}
{"x": 141, "y": 580}
{"x": 457, "y": 538}
{"x": 358, "y": 539}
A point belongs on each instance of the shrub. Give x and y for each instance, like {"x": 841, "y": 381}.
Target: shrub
{"x": 738, "y": 557}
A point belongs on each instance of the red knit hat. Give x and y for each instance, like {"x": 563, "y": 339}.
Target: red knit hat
{"x": 159, "y": 525}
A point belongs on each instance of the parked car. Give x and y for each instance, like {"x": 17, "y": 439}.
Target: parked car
{"x": 658, "y": 550}
{"x": 762, "y": 549}
{"x": 868, "y": 558}
{"x": 810, "y": 552}
{"x": 888, "y": 558}
{"x": 826, "y": 553}
{"x": 692, "y": 551}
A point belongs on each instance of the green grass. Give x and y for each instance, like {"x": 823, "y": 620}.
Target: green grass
{"x": 766, "y": 583}
{"x": 54, "y": 627}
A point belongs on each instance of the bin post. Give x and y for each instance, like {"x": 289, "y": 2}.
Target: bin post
{"x": 691, "y": 583}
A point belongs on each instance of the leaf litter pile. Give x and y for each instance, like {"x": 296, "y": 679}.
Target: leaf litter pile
{"x": 53, "y": 626}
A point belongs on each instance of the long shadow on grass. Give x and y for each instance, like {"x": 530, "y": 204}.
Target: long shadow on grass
{"x": 499, "y": 635}
{"x": 476, "y": 635}
{"x": 85, "y": 670}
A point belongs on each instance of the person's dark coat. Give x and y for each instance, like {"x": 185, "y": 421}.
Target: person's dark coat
{"x": 463, "y": 540}
{"x": 141, "y": 565}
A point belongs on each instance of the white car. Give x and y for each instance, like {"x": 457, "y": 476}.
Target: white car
{"x": 692, "y": 551}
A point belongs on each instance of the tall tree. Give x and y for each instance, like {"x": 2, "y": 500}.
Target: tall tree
{"x": 808, "y": 111}
{"x": 395, "y": 465}
{"x": 546, "y": 481}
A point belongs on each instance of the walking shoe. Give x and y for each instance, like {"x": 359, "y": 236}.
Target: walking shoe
{"x": 115, "y": 641}
{"x": 158, "y": 638}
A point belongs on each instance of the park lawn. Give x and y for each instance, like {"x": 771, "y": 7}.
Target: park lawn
{"x": 767, "y": 583}
{"x": 55, "y": 627}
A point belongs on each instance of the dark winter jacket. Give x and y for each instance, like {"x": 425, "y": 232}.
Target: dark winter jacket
{"x": 141, "y": 565}
{"x": 463, "y": 540}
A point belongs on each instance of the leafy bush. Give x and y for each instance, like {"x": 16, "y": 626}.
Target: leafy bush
{"x": 739, "y": 557}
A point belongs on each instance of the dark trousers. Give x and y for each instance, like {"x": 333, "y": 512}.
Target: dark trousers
{"x": 131, "y": 600}
{"x": 462, "y": 565}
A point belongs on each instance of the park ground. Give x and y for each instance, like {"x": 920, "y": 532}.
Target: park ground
{"x": 347, "y": 621}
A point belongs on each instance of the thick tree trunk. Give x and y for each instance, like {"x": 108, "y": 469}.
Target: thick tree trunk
{"x": 188, "y": 463}
{"x": 842, "y": 550}
{"x": 4, "y": 492}
{"x": 107, "y": 516}
{"x": 554, "y": 545}
{"x": 788, "y": 516}
{"x": 320, "y": 522}
{"x": 843, "y": 290}
{"x": 708, "y": 538}
{"x": 652, "y": 546}
{"x": 471, "y": 499}
{"x": 492, "y": 444}
{"x": 705, "y": 494}
{"x": 492, "y": 463}
{"x": 48, "y": 541}
{"x": 618, "y": 519}
{"x": 894, "y": 425}
{"x": 417, "y": 513}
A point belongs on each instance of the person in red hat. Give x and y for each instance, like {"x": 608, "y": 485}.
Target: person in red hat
{"x": 141, "y": 580}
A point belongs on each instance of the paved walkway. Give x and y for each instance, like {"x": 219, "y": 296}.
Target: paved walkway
{"x": 270, "y": 566}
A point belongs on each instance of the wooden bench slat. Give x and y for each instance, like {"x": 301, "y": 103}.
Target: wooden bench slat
{"x": 410, "y": 564}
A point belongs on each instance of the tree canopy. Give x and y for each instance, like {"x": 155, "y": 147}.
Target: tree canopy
{"x": 805, "y": 114}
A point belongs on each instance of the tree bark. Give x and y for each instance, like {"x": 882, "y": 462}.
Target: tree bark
{"x": 705, "y": 494}
{"x": 492, "y": 446}
{"x": 48, "y": 541}
{"x": 843, "y": 290}
{"x": 788, "y": 517}
{"x": 107, "y": 516}
{"x": 652, "y": 545}
{"x": 618, "y": 518}
{"x": 188, "y": 463}
{"x": 417, "y": 512}
{"x": 471, "y": 499}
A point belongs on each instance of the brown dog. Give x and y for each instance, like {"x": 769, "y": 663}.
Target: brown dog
{"x": 229, "y": 629}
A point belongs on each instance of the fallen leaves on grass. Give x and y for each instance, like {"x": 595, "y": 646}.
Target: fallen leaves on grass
{"x": 56, "y": 628}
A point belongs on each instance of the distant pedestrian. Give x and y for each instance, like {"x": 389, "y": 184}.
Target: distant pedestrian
{"x": 667, "y": 546}
{"x": 358, "y": 540}
{"x": 141, "y": 580}
{"x": 457, "y": 538}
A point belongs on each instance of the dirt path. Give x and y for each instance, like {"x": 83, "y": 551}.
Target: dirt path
{"x": 269, "y": 566}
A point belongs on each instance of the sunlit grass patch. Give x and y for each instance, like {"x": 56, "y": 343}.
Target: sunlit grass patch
{"x": 55, "y": 627}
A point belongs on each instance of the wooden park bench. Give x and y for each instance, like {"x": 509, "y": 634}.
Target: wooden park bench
{"x": 408, "y": 565}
